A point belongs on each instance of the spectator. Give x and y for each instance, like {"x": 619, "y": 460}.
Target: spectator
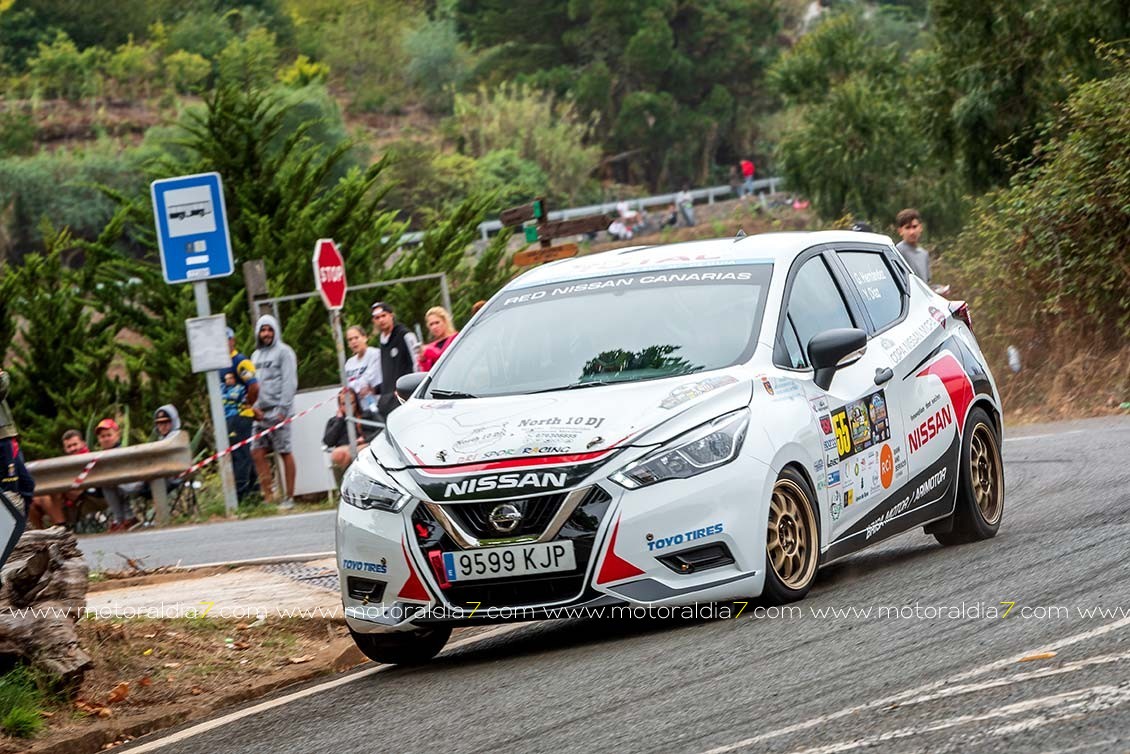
{"x": 363, "y": 368}
{"x": 628, "y": 215}
{"x": 398, "y": 355}
{"x": 476, "y": 306}
{"x": 671, "y": 219}
{"x": 240, "y": 390}
{"x": 56, "y": 503}
{"x": 166, "y": 421}
{"x": 276, "y": 368}
{"x": 685, "y": 202}
{"x": 109, "y": 436}
{"x": 735, "y": 180}
{"x": 336, "y": 435}
{"x": 909, "y": 223}
{"x": 748, "y": 171}
{"x": 619, "y": 231}
{"x": 439, "y": 325}
{"x": 16, "y": 482}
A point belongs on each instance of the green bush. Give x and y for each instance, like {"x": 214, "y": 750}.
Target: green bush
{"x": 20, "y": 703}
{"x": 538, "y": 128}
{"x": 1050, "y": 251}
{"x": 249, "y": 62}
{"x": 17, "y": 132}
{"x": 438, "y": 63}
{"x": 187, "y": 71}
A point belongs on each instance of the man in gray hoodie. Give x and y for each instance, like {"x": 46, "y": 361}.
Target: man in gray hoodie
{"x": 276, "y": 366}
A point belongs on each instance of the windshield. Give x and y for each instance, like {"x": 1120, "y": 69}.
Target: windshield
{"x": 620, "y": 328}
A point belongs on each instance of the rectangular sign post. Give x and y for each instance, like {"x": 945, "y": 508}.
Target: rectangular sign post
{"x": 544, "y": 231}
{"x": 194, "y": 244}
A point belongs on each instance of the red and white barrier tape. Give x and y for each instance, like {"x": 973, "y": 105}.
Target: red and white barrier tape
{"x": 82, "y": 475}
{"x": 263, "y": 433}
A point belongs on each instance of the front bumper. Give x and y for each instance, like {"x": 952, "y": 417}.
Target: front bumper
{"x": 624, "y": 541}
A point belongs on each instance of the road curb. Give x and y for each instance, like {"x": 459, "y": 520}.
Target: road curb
{"x": 180, "y": 573}
{"x": 340, "y": 655}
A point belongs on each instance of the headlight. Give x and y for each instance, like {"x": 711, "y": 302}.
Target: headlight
{"x": 712, "y": 445}
{"x": 366, "y": 493}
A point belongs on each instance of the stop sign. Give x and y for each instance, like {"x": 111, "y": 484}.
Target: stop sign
{"x": 329, "y": 273}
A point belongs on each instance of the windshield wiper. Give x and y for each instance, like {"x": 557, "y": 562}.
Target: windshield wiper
{"x": 578, "y": 386}
{"x": 451, "y": 394}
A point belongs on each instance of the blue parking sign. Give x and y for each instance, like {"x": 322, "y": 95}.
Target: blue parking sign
{"x": 192, "y": 228}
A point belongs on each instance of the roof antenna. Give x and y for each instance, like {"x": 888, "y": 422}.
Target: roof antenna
{"x": 740, "y": 234}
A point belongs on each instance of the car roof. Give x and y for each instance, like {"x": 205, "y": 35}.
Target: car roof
{"x": 764, "y": 248}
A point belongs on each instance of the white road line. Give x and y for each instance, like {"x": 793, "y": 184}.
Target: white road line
{"x": 973, "y": 688}
{"x": 1061, "y": 706}
{"x": 218, "y": 722}
{"x": 1049, "y": 434}
{"x": 918, "y": 691}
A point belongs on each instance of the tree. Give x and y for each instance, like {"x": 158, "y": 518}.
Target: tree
{"x": 1049, "y": 254}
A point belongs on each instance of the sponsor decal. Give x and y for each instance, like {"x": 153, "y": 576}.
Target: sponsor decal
{"x": 886, "y": 466}
{"x": 930, "y": 403}
{"x": 955, "y": 381}
{"x": 553, "y": 436}
{"x": 516, "y": 481}
{"x": 886, "y": 343}
{"x": 938, "y": 316}
{"x": 364, "y": 566}
{"x": 527, "y": 450}
{"x": 589, "y": 422}
{"x": 780, "y": 388}
{"x": 929, "y": 429}
{"x": 837, "y": 508}
{"x": 818, "y": 466}
{"x": 692, "y": 390}
{"x": 660, "y": 543}
{"x": 913, "y": 340}
{"x": 480, "y": 438}
{"x": 833, "y": 478}
{"x": 860, "y": 425}
{"x": 920, "y": 492}
{"x": 849, "y": 497}
{"x": 826, "y": 424}
{"x": 830, "y": 445}
{"x": 819, "y": 404}
{"x": 438, "y": 405}
{"x": 767, "y": 384}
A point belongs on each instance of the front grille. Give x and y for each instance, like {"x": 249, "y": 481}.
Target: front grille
{"x": 519, "y": 591}
{"x": 536, "y": 515}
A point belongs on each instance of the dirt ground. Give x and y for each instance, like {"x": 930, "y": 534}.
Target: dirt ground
{"x": 152, "y": 674}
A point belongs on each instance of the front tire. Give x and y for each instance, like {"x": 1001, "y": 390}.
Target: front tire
{"x": 792, "y": 545}
{"x": 403, "y": 648}
{"x": 980, "y": 489}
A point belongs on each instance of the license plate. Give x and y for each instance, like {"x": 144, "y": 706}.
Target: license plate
{"x": 518, "y": 560}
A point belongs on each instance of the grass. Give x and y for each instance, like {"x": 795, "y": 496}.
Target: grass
{"x": 22, "y": 703}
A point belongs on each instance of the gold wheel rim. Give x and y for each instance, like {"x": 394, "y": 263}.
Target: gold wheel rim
{"x": 985, "y": 473}
{"x": 792, "y": 544}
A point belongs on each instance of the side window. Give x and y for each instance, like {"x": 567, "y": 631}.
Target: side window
{"x": 793, "y": 351}
{"x": 877, "y": 287}
{"x": 815, "y": 304}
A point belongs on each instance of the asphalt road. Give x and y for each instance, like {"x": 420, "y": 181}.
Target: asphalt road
{"x": 817, "y": 682}
{"x": 224, "y": 542}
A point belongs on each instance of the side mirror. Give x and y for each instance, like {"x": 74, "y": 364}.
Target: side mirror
{"x": 832, "y": 349}
{"x": 407, "y": 385}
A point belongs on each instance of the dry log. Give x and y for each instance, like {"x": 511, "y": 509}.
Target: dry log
{"x": 42, "y": 597}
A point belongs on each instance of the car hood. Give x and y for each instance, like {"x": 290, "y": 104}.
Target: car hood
{"x": 589, "y": 422}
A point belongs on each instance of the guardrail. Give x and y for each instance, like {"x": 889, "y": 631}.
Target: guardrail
{"x": 151, "y": 462}
{"x": 710, "y": 193}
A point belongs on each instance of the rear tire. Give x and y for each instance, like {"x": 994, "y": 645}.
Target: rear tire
{"x": 403, "y": 647}
{"x": 980, "y": 488}
{"x": 792, "y": 546}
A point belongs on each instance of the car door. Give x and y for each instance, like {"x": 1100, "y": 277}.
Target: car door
{"x": 916, "y": 462}
{"x": 852, "y": 414}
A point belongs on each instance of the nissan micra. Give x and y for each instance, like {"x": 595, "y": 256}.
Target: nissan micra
{"x": 669, "y": 425}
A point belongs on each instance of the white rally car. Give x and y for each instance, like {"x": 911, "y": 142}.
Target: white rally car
{"x": 670, "y": 425}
